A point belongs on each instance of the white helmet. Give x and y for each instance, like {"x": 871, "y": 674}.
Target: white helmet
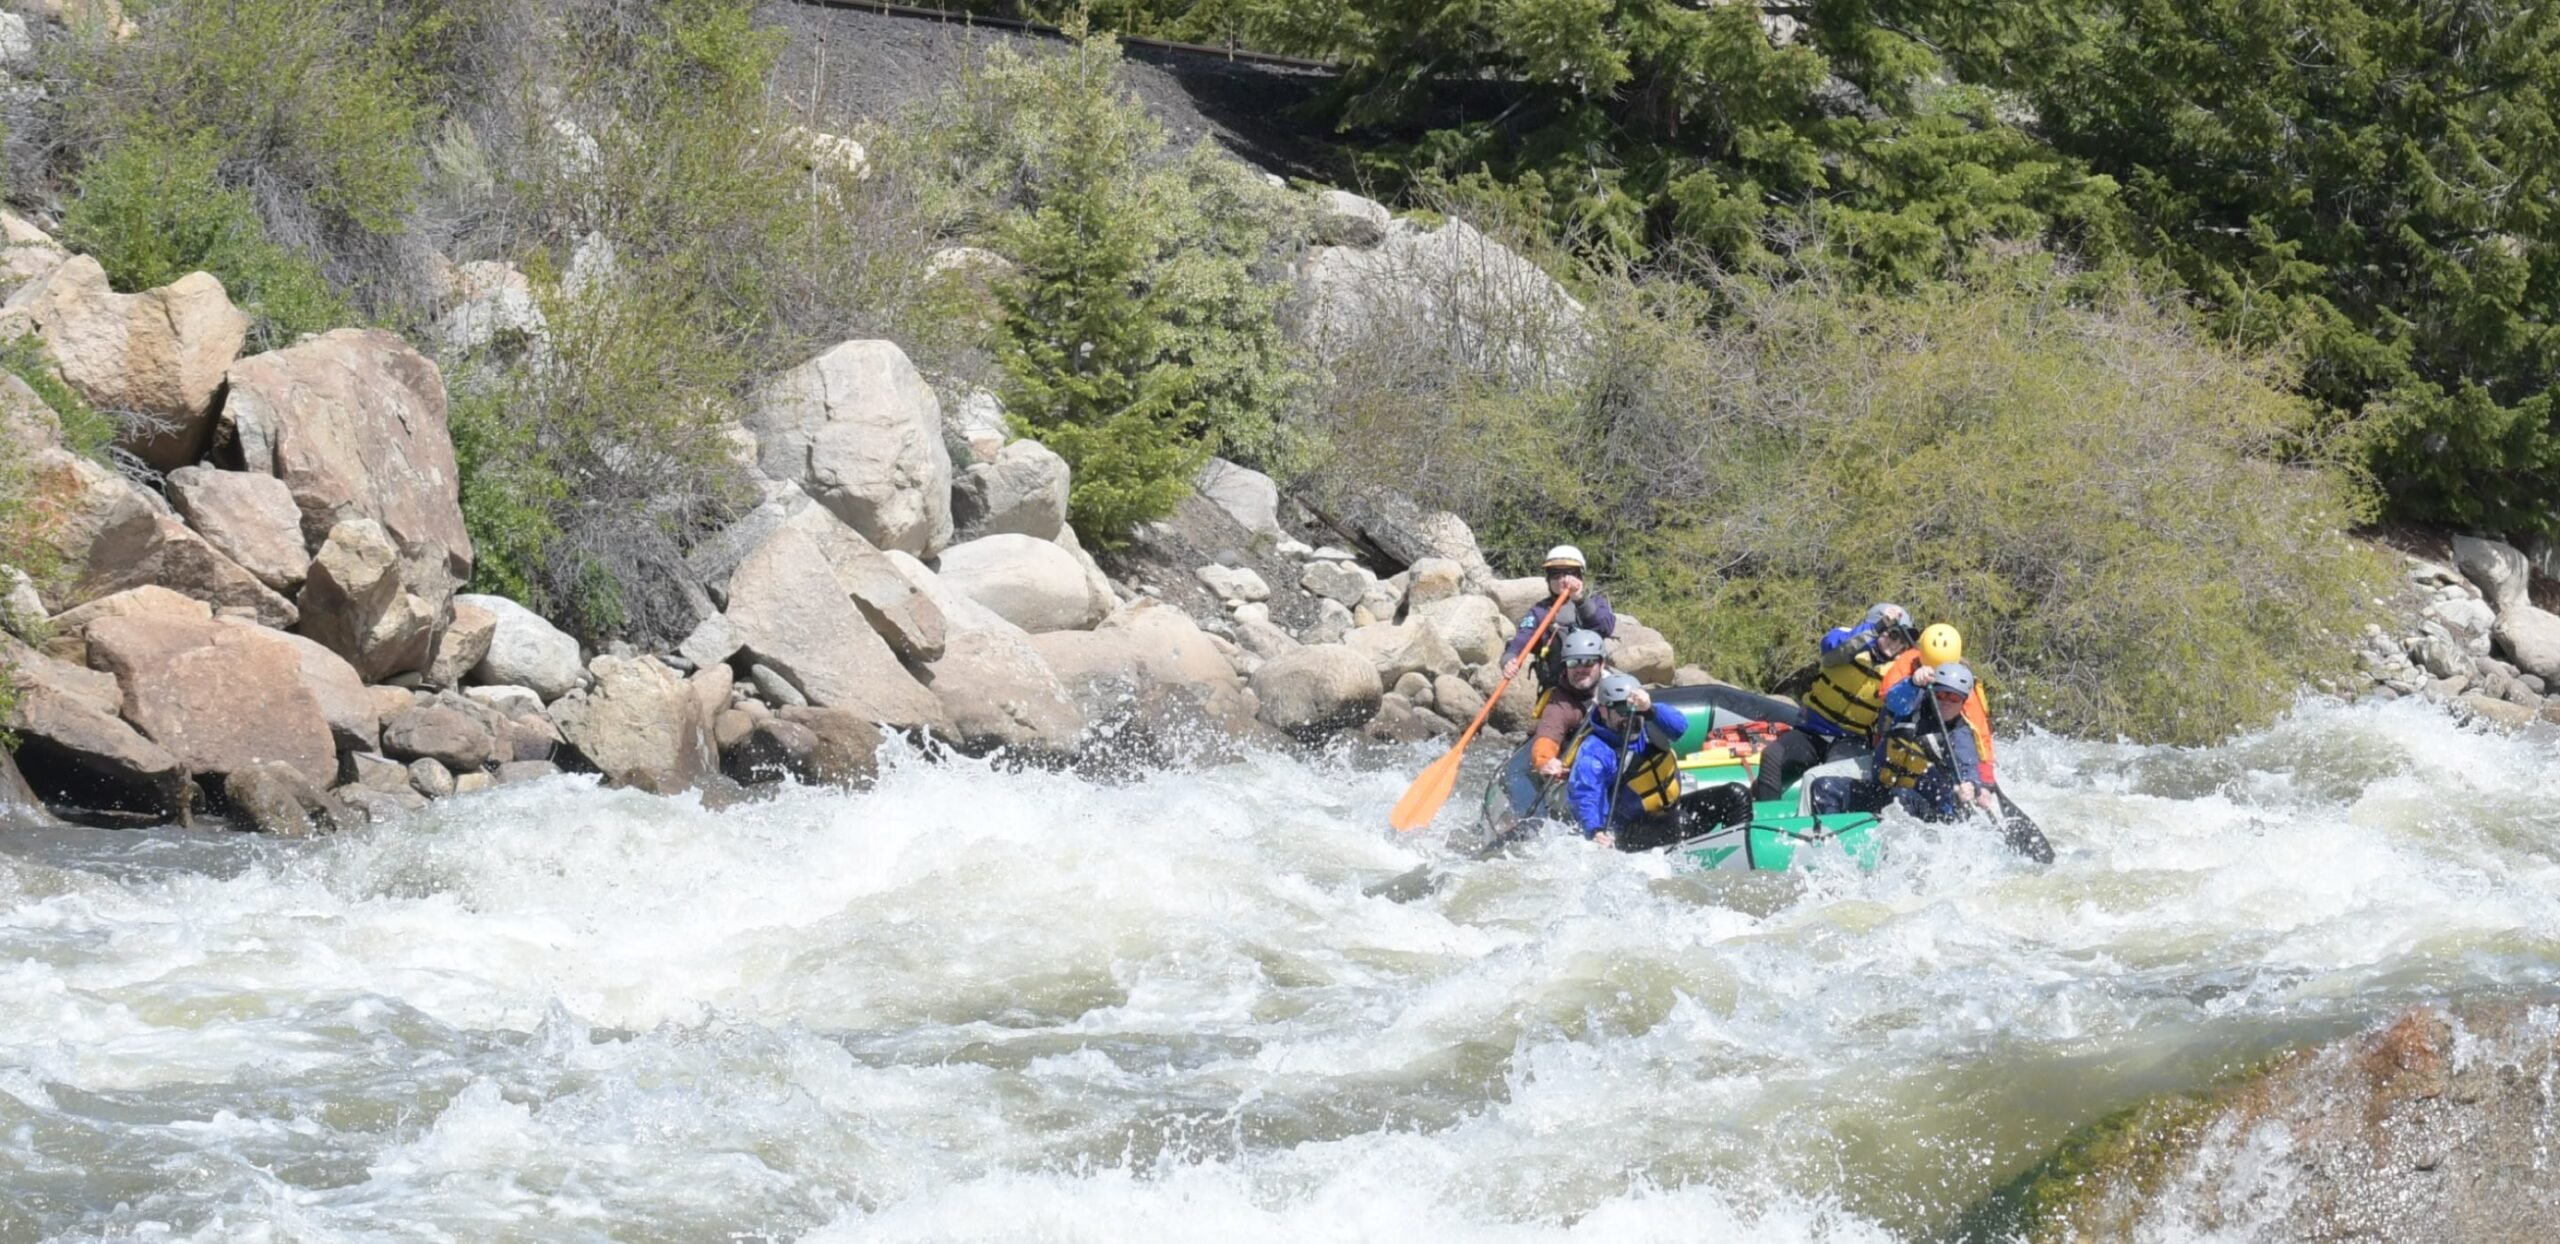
{"x": 1563, "y": 557}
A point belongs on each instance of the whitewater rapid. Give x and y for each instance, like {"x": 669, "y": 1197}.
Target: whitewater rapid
{"x": 981, "y": 1005}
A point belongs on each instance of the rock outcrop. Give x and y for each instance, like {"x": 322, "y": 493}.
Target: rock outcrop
{"x": 374, "y": 603}
{"x": 250, "y": 518}
{"x": 860, "y": 432}
{"x": 75, "y": 747}
{"x": 182, "y": 683}
{"x": 1317, "y": 688}
{"x": 793, "y": 616}
{"x": 159, "y": 354}
{"x": 1033, "y": 583}
{"x": 353, "y": 422}
{"x": 640, "y": 725}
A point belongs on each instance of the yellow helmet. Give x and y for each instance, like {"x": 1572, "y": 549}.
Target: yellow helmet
{"x": 1940, "y": 644}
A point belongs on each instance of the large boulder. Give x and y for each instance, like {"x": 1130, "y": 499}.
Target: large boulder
{"x": 1516, "y": 597}
{"x": 1395, "y": 649}
{"x": 1023, "y": 492}
{"x": 1473, "y": 625}
{"x": 375, "y": 603}
{"x": 1642, "y": 651}
{"x": 845, "y": 748}
{"x": 911, "y": 622}
{"x": 2531, "y": 638}
{"x": 77, "y": 749}
{"x": 2496, "y": 568}
{"x": 1151, "y": 666}
{"x": 1445, "y": 284}
{"x": 1407, "y": 532}
{"x": 353, "y": 422}
{"x": 1318, "y": 688}
{"x": 111, "y": 536}
{"x": 217, "y": 696}
{"x": 275, "y": 798}
{"x": 69, "y": 629}
{"x": 1034, "y": 584}
{"x": 250, "y": 517}
{"x": 1342, "y": 218}
{"x": 1247, "y": 495}
{"x": 1000, "y": 693}
{"x": 1518, "y": 708}
{"x": 640, "y": 725}
{"x": 159, "y": 354}
{"x": 792, "y": 615}
{"x": 1345, "y": 583}
{"x": 524, "y": 650}
{"x": 859, "y": 431}
{"x": 345, "y": 702}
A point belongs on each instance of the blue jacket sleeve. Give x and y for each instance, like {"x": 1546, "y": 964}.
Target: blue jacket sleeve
{"x": 1586, "y": 789}
{"x": 1671, "y": 719}
{"x": 1843, "y": 642}
{"x": 1968, "y": 755}
{"x": 1904, "y": 699}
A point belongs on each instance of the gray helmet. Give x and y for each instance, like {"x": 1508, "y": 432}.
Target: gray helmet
{"x": 1955, "y": 678}
{"x": 1582, "y": 645}
{"x": 1615, "y": 690}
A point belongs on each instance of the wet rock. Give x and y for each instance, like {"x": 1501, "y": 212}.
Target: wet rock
{"x": 769, "y": 751}
{"x": 516, "y": 772}
{"x": 1000, "y": 693}
{"x": 182, "y": 686}
{"x": 275, "y": 798}
{"x": 848, "y": 747}
{"x": 860, "y": 432}
{"x": 249, "y": 518}
{"x": 1412, "y": 686}
{"x": 1317, "y": 688}
{"x": 19, "y": 806}
{"x": 473, "y": 783}
{"x": 446, "y": 733}
{"x": 429, "y": 777}
{"x": 353, "y": 422}
{"x": 525, "y": 651}
{"x": 640, "y": 725}
{"x": 1150, "y": 663}
{"x": 529, "y": 736}
{"x": 2498, "y": 713}
{"x": 77, "y": 751}
{"x": 376, "y": 772}
{"x": 374, "y": 603}
{"x": 160, "y": 354}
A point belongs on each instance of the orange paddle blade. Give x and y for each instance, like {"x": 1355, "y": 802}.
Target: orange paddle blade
{"x": 1422, "y": 800}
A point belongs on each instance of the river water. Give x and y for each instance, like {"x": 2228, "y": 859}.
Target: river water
{"x": 972, "y": 1005}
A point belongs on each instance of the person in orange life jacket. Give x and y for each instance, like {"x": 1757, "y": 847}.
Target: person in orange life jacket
{"x": 1927, "y": 758}
{"x": 1841, "y": 708}
{"x": 1584, "y": 655}
{"x": 1624, "y": 787}
{"x": 1583, "y": 610}
{"x": 1940, "y": 644}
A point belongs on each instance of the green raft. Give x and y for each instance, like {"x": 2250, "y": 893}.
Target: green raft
{"x": 1782, "y": 834}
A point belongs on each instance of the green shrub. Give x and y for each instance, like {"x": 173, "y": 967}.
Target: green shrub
{"x": 1141, "y": 334}
{"x": 152, "y": 208}
{"x": 2137, "y": 528}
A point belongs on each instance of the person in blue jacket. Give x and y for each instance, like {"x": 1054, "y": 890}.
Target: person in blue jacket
{"x": 1926, "y": 757}
{"x": 1841, "y": 707}
{"x": 1624, "y": 788}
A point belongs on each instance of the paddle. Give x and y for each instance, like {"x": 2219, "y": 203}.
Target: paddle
{"x": 1422, "y": 800}
{"x": 2017, "y": 832}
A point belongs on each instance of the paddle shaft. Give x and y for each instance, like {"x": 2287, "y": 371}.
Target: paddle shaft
{"x": 1422, "y": 800}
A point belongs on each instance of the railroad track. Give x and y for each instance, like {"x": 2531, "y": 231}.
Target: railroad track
{"x": 1238, "y": 55}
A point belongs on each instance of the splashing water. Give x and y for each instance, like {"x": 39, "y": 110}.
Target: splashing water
{"x": 975, "y": 1005}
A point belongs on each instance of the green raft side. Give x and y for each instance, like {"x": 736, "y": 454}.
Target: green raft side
{"x": 1779, "y": 837}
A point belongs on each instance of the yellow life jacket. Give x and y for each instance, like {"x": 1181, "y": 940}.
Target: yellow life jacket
{"x": 1904, "y": 761}
{"x": 1849, "y": 694}
{"x": 1653, "y": 778}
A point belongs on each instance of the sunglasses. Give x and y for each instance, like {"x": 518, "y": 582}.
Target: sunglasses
{"x": 1581, "y": 663}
